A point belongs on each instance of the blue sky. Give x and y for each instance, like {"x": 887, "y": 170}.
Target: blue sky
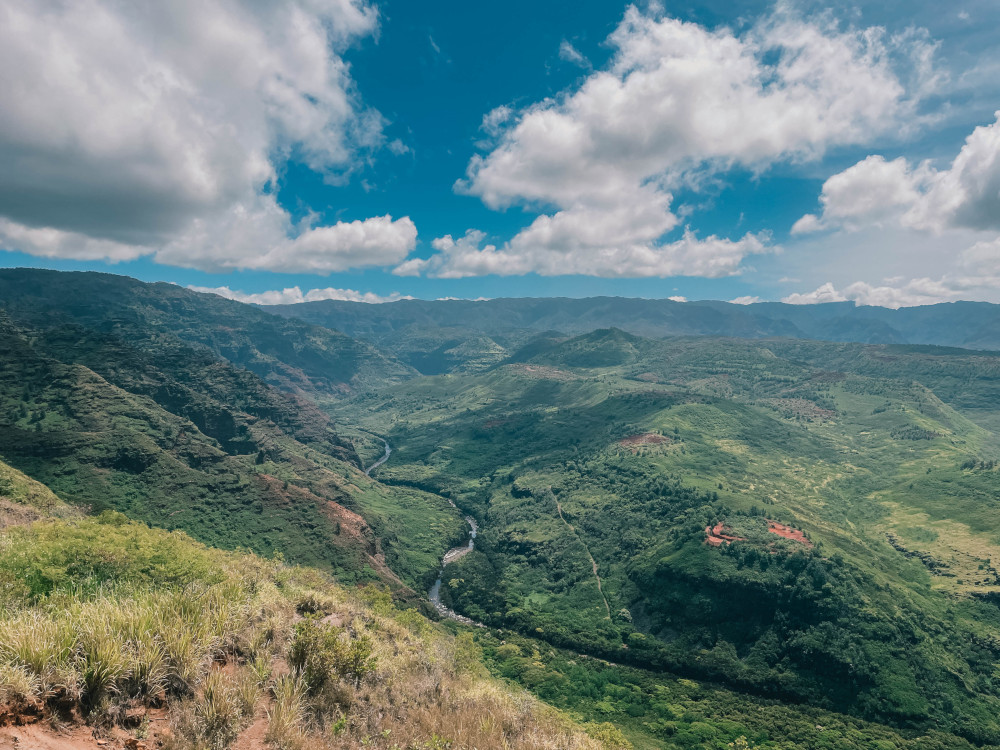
{"x": 723, "y": 150}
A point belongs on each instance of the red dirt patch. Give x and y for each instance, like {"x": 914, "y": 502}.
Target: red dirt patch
{"x": 634, "y": 442}
{"x": 788, "y": 532}
{"x": 717, "y": 536}
{"x": 20, "y": 715}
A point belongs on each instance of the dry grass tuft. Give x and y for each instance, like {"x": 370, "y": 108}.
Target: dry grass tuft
{"x": 330, "y": 668}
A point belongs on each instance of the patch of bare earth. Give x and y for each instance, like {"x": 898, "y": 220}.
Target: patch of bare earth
{"x": 635, "y": 442}
{"x": 15, "y": 514}
{"x": 544, "y": 372}
{"x": 352, "y": 526}
{"x": 77, "y": 736}
{"x": 787, "y": 532}
{"x": 721, "y": 534}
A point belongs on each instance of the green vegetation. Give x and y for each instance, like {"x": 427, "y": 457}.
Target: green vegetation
{"x": 683, "y": 543}
{"x": 656, "y": 710}
{"x": 171, "y": 436}
{"x": 595, "y": 465}
{"x": 968, "y": 324}
{"x": 113, "y": 620}
{"x": 286, "y": 353}
{"x": 22, "y": 499}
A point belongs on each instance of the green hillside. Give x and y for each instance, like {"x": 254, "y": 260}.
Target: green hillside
{"x": 172, "y": 436}
{"x": 23, "y": 500}
{"x": 286, "y": 353}
{"x": 599, "y": 467}
{"x": 687, "y": 542}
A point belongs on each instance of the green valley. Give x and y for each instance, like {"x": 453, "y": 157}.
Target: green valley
{"x": 683, "y": 542}
{"x": 599, "y": 465}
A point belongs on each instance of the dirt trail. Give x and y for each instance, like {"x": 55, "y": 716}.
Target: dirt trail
{"x": 586, "y": 549}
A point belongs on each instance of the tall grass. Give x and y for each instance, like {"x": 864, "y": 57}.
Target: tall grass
{"x": 228, "y": 646}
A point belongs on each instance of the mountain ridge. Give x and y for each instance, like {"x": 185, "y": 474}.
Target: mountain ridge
{"x": 974, "y": 325}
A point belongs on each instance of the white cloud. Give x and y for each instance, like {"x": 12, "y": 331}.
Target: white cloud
{"x": 496, "y": 118}
{"x": 677, "y": 104}
{"x": 678, "y": 96}
{"x": 983, "y": 259}
{"x": 554, "y": 246}
{"x": 677, "y": 298}
{"x": 876, "y": 192}
{"x": 294, "y": 295}
{"x": 746, "y": 300}
{"x": 915, "y": 292}
{"x": 159, "y": 128}
{"x": 895, "y": 293}
{"x": 397, "y": 147}
{"x": 257, "y": 236}
{"x": 571, "y": 54}
{"x": 53, "y": 243}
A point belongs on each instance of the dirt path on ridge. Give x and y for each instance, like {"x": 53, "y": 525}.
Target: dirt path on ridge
{"x": 586, "y": 549}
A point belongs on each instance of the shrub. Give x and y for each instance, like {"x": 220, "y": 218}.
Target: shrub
{"x": 321, "y": 652}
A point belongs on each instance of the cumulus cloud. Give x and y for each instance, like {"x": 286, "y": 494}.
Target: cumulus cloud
{"x": 746, "y": 300}
{"x": 915, "y": 292}
{"x": 552, "y": 247}
{"x": 496, "y": 118}
{"x": 876, "y": 192}
{"x": 677, "y": 103}
{"x": 897, "y": 293}
{"x": 145, "y": 128}
{"x": 256, "y": 236}
{"x": 294, "y": 295}
{"x": 678, "y": 95}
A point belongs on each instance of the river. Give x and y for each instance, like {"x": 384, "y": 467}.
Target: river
{"x": 455, "y": 553}
{"x": 388, "y": 450}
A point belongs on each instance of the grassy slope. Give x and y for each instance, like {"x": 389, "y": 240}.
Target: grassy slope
{"x": 23, "y": 500}
{"x": 845, "y": 457}
{"x": 105, "y": 619}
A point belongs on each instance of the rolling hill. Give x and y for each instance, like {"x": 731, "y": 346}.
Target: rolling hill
{"x": 285, "y": 353}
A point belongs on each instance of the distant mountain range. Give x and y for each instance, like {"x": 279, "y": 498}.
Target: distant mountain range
{"x": 442, "y": 336}
{"x": 972, "y": 325}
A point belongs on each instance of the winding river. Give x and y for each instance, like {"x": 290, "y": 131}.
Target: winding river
{"x": 388, "y": 450}
{"x": 450, "y": 556}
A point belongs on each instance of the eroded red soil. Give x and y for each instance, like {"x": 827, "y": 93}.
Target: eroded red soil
{"x": 717, "y": 536}
{"x": 634, "y": 442}
{"x": 788, "y": 533}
